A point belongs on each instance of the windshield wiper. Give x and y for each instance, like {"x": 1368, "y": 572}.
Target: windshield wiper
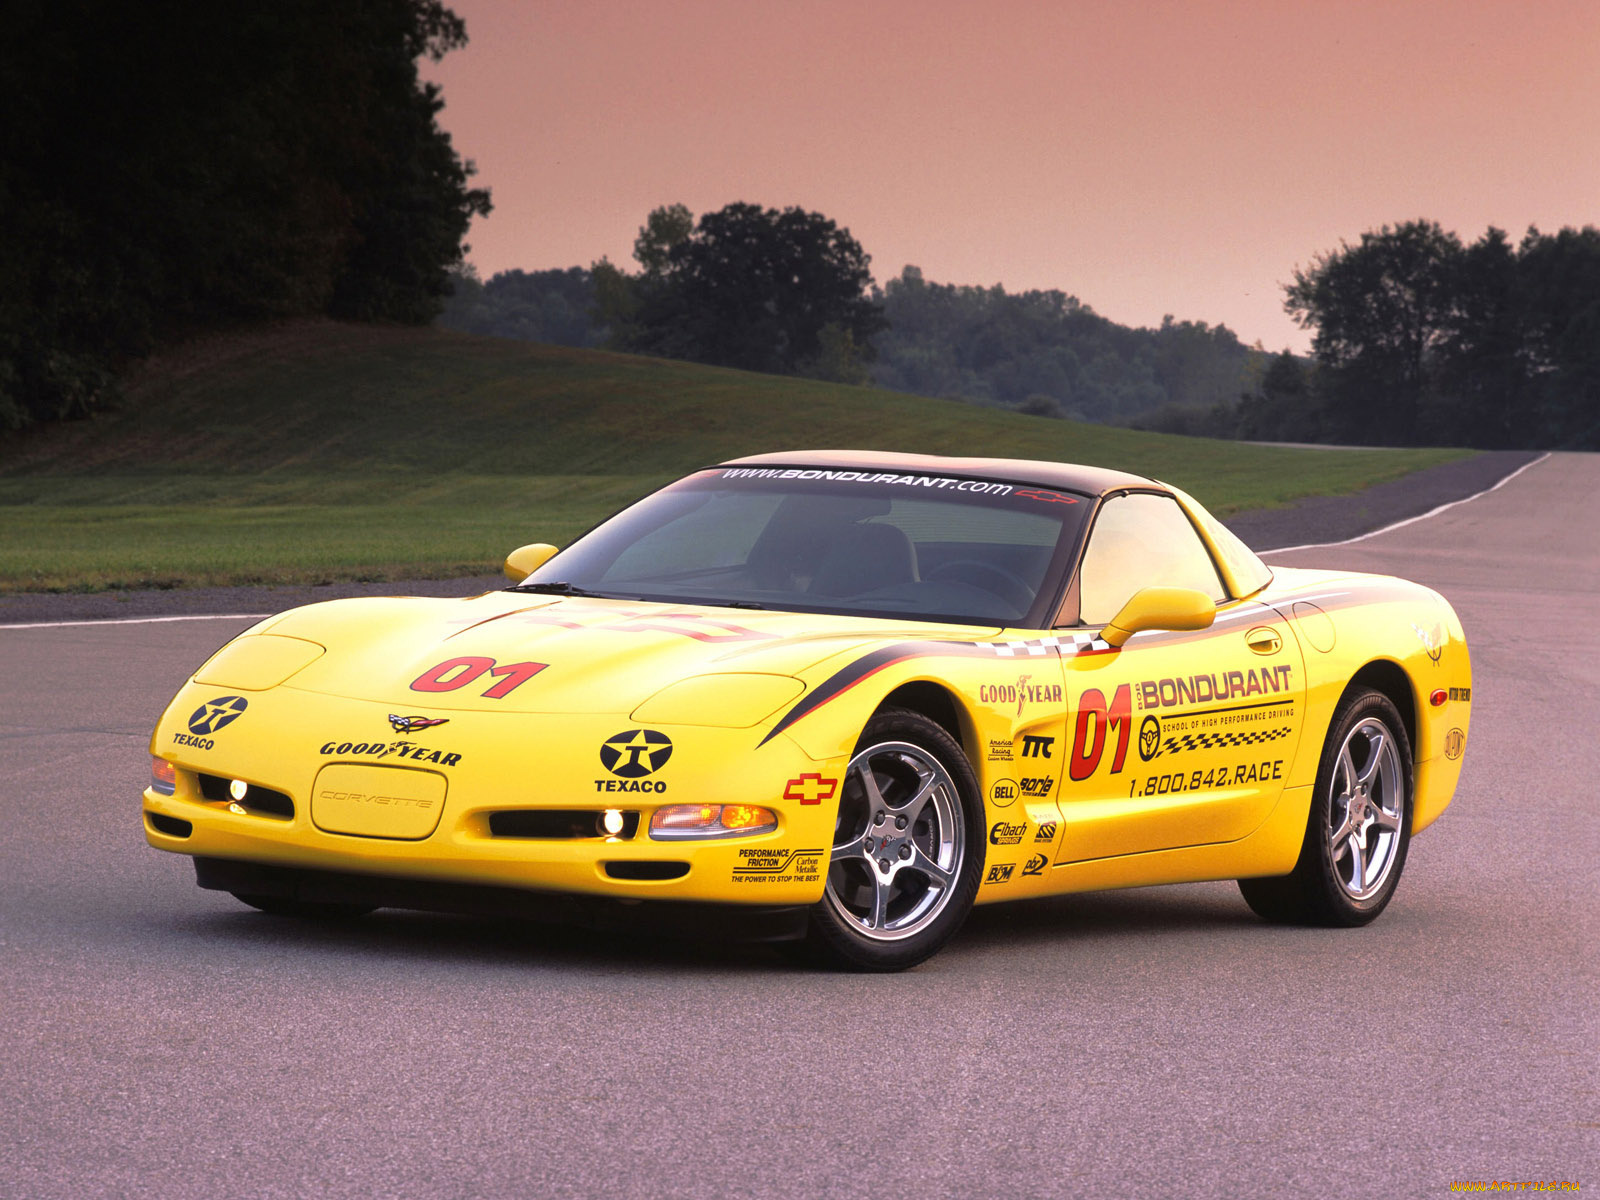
{"x": 557, "y": 588}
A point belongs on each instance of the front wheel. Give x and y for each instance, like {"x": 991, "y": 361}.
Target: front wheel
{"x": 908, "y": 848}
{"x": 1360, "y": 823}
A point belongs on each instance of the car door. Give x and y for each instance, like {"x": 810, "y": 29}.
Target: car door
{"x": 1178, "y": 738}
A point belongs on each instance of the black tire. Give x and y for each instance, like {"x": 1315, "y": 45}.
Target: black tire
{"x": 306, "y": 910}
{"x": 1355, "y": 828}
{"x": 908, "y": 849}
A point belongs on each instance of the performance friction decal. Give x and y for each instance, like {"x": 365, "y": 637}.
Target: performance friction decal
{"x": 848, "y": 676}
{"x": 760, "y": 865}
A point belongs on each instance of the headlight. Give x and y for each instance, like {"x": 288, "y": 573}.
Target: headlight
{"x": 734, "y": 700}
{"x": 679, "y": 821}
{"x": 163, "y": 776}
{"x": 256, "y": 662}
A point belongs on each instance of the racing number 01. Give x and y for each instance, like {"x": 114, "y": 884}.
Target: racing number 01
{"x": 458, "y": 672}
{"x": 1089, "y": 738}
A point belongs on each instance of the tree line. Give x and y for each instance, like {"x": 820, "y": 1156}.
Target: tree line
{"x": 790, "y": 292}
{"x": 1421, "y": 339}
{"x": 175, "y": 166}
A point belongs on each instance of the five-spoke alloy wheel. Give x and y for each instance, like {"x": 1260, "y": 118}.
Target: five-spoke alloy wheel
{"x": 1360, "y": 823}
{"x": 908, "y": 847}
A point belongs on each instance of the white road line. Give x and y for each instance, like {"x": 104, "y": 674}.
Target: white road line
{"x": 137, "y": 620}
{"x": 1432, "y": 512}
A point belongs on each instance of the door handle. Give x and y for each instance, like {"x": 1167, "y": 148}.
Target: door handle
{"x": 1263, "y": 640}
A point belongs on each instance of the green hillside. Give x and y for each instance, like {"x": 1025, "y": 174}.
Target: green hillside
{"x": 324, "y": 451}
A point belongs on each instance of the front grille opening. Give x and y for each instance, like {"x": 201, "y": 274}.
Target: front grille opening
{"x": 647, "y": 870}
{"x": 171, "y": 826}
{"x": 261, "y": 800}
{"x": 558, "y": 824}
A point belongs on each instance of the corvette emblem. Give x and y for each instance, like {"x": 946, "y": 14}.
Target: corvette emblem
{"x": 412, "y": 724}
{"x": 635, "y": 753}
{"x": 1432, "y": 640}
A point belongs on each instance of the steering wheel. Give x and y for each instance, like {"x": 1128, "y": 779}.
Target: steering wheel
{"x": 987, "y": 576}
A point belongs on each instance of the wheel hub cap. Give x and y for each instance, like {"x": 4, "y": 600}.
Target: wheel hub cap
{"x": 898, "y": 843}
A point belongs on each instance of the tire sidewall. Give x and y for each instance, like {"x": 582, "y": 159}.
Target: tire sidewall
{"x": 844, "y": 945}
{"x": 1330, "y": 901}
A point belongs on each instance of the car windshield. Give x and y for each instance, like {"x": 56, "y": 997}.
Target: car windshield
{"x": 868, "y": 543}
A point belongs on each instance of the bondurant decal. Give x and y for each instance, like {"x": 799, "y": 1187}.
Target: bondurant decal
{"x": 1205, "y": 689}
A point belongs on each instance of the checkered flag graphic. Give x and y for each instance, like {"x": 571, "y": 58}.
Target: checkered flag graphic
{"x": 1044, "y": 647}
{"x": 1211, "y": 741}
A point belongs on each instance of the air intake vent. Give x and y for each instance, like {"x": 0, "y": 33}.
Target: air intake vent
{"x": 171, "y": 826}
{"x": 257, "y": 799}
{"x": 558, "y": 824}
{"x": 647, "y": 871}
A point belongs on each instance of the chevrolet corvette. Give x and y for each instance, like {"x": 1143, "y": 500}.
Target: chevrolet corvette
{"x": 842, "y": 697}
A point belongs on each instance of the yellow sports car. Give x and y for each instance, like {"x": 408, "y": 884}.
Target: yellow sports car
{"x": 841, "y": 697}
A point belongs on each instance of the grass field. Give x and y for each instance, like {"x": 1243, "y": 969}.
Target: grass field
{"x": 320, "y": 451}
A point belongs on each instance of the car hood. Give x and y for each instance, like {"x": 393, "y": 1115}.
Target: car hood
{"x": 591, "y": 655}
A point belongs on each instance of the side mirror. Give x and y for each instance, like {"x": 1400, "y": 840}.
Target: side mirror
{"x": 1160, "y": 608}
{"x": 525, "y": 560}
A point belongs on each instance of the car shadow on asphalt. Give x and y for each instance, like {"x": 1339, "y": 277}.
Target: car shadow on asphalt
{"x": 1089, "y": 916}
{"x": 1028, "y": 925}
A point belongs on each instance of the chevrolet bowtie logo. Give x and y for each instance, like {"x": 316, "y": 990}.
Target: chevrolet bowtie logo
{"x": 811, "y": 788}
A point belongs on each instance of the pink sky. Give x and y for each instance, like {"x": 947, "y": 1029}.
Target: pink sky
{"x": 1148, "y": 158}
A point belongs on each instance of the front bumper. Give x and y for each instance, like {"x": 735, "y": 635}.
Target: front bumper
{"x": 729, "y": 922}
{"x": 502, "y": 764}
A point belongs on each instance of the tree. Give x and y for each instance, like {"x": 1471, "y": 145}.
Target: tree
{"x": 172, "y": 166}
{"x": 1480, "y": 387}
{"x": 1558, "y": 286}
{"x": 663, "y": 230}
{"x": 1380, "y": 310}
{"x": 554, "y": 307}
{"x": 752, "y": 288}
{"x": 1003, "y": 348}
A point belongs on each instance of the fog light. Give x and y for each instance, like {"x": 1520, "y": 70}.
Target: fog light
{"x": 611, "y": 821}
{"x": 163, "y": 776}
{"x": 238, "y": 788}
{"x": 710, "y": 820}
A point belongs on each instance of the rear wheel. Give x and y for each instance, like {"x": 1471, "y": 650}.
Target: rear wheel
{"x": 1360, "y": 823}
{"x": 908, "y": 848}
{"x": 310, "y": 910}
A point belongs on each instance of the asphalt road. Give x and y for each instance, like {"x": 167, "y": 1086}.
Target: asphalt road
{"x": 162, "y": 1041}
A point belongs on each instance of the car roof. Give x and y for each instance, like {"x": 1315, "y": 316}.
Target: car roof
{"x": 1095, "y": 481}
